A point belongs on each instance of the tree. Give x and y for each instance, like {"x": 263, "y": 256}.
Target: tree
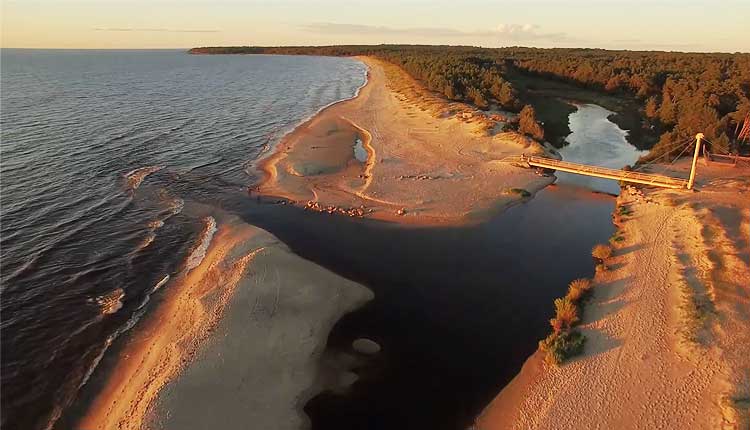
{"x": 528, "y": 124}
{"x": 652, "y": 107}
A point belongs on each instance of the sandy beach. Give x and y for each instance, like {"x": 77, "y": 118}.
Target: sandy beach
{"x": 668, "y": 338}
{"x": 252, "y": 316}
{"x": 428, "y": 161}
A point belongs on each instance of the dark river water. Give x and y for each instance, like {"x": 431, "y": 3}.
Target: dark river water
{"x": 457, "y": 310}
{"x": 104, "y": 154}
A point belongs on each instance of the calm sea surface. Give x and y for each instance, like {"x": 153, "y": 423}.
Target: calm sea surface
{"x": 102, "y": 152}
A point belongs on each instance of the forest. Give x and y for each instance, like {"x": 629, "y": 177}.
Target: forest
{"x": 677, "y": 94}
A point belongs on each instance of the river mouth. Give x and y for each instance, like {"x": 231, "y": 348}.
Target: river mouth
{"x": 457, "y": 310}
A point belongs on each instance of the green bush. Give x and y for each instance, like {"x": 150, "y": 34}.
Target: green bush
{"x": 561, "y": 346}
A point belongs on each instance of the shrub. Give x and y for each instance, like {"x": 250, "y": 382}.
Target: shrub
{"x": 528, "y": 124}
{"x": 566, "y": 312}
{"x": 578, "y": 289}
{"x": 560, "y": 346}
{"x": 601, "y": 252}
{"x": 557, "y": 325}
{"x": 617, "y": 237}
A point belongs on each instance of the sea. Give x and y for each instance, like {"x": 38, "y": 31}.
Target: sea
{"x": 114, "y": 164}
{"x": 102, "y": 154}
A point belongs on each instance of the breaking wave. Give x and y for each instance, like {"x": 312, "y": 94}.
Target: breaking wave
{"x": 110, "y": 302}
{"x": 199, "y": 252}
{"x": 136, "y": 177}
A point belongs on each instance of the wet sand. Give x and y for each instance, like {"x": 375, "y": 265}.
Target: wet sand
{"x": 429, "y": 161}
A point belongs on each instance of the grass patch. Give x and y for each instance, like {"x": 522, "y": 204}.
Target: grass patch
{"x": 624, "y": 211}
{"x": 697, "y": 309}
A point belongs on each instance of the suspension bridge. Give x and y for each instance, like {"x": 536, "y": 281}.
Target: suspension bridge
{"x": 630, "y": 176}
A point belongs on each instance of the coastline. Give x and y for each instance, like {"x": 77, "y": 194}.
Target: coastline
{"x": 170, "y": 334}
{"x": 154, "y": 363}
{"x": 636, "y": 353}
{"x": 667, "y": 340}
{"x": 429, "y": 161}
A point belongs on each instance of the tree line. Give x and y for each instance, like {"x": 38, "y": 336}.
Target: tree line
{"x": 681, "y": 94}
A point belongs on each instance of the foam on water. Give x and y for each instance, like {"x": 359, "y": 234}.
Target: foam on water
{"x": 110, "y": 302}
{"x": 200, "y": 249}
{"x": 135, "y": 177}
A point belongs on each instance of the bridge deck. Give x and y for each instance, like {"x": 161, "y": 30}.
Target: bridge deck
{"x": 604, "y": 172}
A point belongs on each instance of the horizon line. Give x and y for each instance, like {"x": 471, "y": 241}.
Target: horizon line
{"x": 366, "y": 44}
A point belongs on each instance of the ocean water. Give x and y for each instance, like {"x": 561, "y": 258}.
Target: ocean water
{"x": 105, "y": 155}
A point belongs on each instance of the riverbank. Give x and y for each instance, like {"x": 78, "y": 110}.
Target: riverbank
{"x": 667, "y": 327}
{"x": 232, "y": 313}
{"x": 428, "y": 161}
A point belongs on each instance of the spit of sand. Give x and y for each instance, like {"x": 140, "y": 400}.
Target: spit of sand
{"x": 429, "y": 161}
{"x": 245, "y": 330}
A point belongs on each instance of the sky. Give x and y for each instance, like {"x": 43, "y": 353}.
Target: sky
{"x": 686, "y": 25}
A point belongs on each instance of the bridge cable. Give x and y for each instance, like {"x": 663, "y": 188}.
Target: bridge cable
{"x": 667, "y": 152}
{"x": 680, "y": 154}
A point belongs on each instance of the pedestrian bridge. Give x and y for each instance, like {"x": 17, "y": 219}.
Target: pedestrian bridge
{"x": 604, "y": 172}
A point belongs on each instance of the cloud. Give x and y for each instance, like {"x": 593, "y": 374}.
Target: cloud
{"x": 155, "y": 30}
{"x": 526, "y": 32}
{"x": 513, "y": 32}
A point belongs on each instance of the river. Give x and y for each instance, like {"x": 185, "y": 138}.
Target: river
{"x": 457, "y": 310}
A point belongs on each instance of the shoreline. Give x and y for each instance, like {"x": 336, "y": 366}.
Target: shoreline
{"x": 418, "y": 171}
{"x": 169, "y": 335}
